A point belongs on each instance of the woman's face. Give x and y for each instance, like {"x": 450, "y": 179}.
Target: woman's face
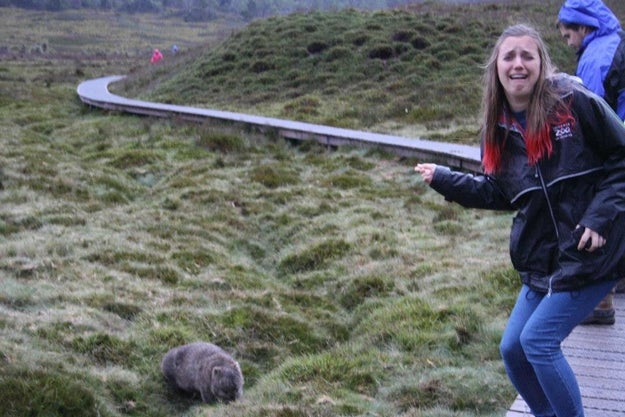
{"x": 518, "y": 68}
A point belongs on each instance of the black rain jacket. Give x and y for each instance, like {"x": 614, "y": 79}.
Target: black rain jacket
{"x": 581, "y": 183}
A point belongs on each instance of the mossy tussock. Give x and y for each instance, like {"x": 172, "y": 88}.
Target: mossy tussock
{"x": 42, "y": 392}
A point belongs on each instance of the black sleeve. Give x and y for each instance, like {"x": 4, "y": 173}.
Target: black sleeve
{"x": 614, "y": 83}
{"x": 468, "y": 190}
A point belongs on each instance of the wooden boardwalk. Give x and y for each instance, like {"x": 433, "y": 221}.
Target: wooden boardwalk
{"x": 466, "y": 157}
{"x": 597, "y": 355}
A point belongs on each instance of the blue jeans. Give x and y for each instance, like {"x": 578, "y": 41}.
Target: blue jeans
{"x": 531, "y": 352}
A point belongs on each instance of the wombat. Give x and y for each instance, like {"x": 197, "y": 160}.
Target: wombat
{"x": 205, "y": 368}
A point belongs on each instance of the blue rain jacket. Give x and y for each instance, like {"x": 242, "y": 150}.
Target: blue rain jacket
{"x": 596, "y": 55}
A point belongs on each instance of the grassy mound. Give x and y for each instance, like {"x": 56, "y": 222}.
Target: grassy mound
{"x": 415, "y": 69}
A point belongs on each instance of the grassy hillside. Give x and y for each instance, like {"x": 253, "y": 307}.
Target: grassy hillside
{"x": 342, "y": 284}
{"x": 414, "y": 70}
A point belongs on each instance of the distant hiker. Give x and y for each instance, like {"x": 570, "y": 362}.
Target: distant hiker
{"x": 156, "y": 56}
{"x": 174, "y": 49}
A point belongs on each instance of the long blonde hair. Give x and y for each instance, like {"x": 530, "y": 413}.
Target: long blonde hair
{"x": 543, "y": 100}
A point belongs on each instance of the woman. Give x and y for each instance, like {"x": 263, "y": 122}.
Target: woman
{"x": 554, "y": 152}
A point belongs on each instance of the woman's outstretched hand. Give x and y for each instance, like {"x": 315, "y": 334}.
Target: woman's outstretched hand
{"x": 426, "y": 171}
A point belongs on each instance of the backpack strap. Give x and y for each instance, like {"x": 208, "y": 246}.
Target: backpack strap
{"x": 614, "y": 82}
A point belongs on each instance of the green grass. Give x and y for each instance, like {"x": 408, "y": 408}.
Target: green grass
{"x": 341, "y": 283}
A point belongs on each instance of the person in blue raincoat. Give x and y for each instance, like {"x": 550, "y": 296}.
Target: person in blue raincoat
{"x": 592, "y": 29}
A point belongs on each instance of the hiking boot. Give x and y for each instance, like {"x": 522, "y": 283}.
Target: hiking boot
{"x": 605, "y": 317}
{"x": 603, "y": 313}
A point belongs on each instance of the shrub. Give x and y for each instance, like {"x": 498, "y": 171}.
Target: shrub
{"x": 348, "y": 180}
{"x": 104, "y": 349}
{"x": 165, "y": 274}
{"x": 131, "y": 158}
{"x": 123, "y": 310}
{"x": 273, "y": 176}
{"x": 316, "y": 47}
{"x": 403, "y": 35}
{"x": 361, "y": 288}
{"x": 302, "y": 106}
{"x": 46, "y": 393}
{"x": 295, "y": 335}
{"x": 261, "y": 66}
{"x": 218, "y": 141}
{"x": 339, "y": 53}
{"x": 314, "y": 257}
{"x": 419, "y": 43}
{"x": 381, "y": 52}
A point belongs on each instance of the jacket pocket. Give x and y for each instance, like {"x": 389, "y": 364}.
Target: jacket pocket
{"x": 578, "y": 266}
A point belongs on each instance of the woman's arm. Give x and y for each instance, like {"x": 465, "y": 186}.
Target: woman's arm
{"x": 468, "y": 190}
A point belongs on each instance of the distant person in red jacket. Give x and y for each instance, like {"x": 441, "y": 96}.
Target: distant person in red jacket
{"x": 156, "y": 56}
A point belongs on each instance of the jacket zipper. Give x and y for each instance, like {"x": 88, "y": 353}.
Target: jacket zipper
{"x": 553, "y": 217}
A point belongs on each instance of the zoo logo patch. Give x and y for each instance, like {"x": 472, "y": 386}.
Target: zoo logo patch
{"x": 563, "y": 131}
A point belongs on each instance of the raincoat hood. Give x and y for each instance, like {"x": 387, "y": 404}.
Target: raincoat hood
{"x": 590, "y": 13}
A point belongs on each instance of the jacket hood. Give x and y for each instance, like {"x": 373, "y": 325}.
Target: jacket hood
{"x": 589, "y": 13}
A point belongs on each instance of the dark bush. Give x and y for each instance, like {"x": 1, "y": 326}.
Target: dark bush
{"x": 360, "y": 40}
{"x": 104, "y": 349}
{"x": 314, "y": 257}
{"x": 400, "y": 48}
{"x": 420, "y": 43}
{"x": 403, "y": 36}
{"x": 382, "y": 52}
{"x": 286, "y": 331}
{"x": 316, "y": 47}
{"x": 229, "y": 57}
{"x": 364, "y": 287}
{"x": 261, "y": 66}
{"x": 338, "y": 52}
{"x": 218, "y": 70}
{"x": 49, "y": 394}
{"x": 221, "y": 142}
{"x": 125, "y": 311}
{"x": 274, "y": 176}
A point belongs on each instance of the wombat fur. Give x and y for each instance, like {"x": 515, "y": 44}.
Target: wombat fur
{"x": 205, "y": 368}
